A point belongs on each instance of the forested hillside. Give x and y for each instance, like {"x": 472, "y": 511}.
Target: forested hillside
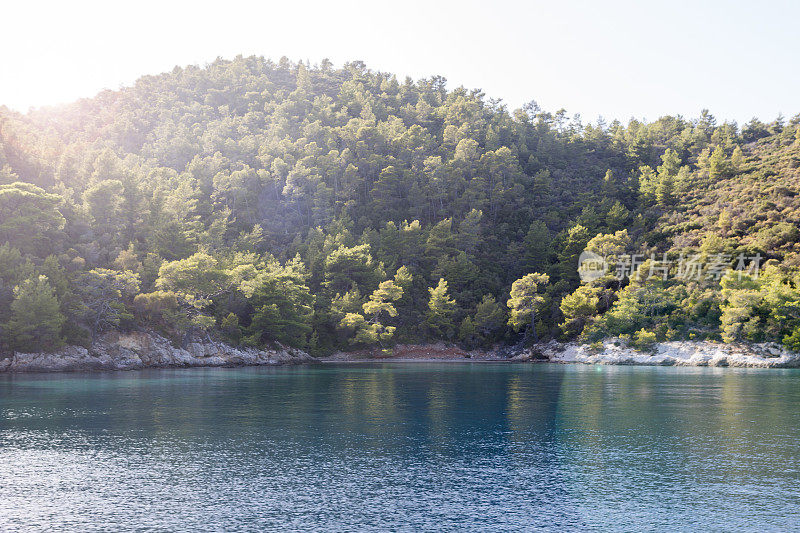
{"x": 330, "y": 208}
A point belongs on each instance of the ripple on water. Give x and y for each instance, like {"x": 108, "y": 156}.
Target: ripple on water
{"x": 414, "y": 446}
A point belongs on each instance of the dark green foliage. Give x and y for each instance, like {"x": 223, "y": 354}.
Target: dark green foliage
{"x": 30, "y": 218}
{"x": 272, "y": 203}
{"x": 36, "y": 319}
{"x": 282, "y": 304}
{"x": 104, "y": 297}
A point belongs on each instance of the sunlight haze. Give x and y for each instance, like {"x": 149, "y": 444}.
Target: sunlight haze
{"x": 617, "y": 59}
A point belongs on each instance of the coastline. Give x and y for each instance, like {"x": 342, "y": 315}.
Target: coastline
{"x": 439, "y": 351}
{"x": 147, "y": 349}
{"x": 613, "y": 352}
{"x": 676, "y": 353}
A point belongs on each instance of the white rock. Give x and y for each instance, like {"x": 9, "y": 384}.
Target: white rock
{"x": 128, "y": 351}
{"x": 679, "y": 353}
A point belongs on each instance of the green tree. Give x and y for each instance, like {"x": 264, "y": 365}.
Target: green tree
{"x": 282, "y": 302}
{"x": 489, "y": 318}
{"x": 737, "y": 159}
{"x": 718, "y": 165}
{"x": 537, "y": 247}
{"x": 197, "y": 279}
{"x": 103, "y": 202}
{"x": 348, "y": 267}
{"x": 573, "y": 243}
{"x": 441, "y": 241}
{"x": 370, "y": 328}
{"x": 579, "y": 309}
{"x": 643, "y": 303}
{"x": 104, "y": 297}
{"x": 159, "y": 308}
{"x": 466, "y": 332}
{"x": 617, "y": 217}
{"x": 525, "y": 302}
{"x": 440, "y": 316}
{"x": 610, "y": 245}
{"x": 36, "y": 317}
{"x": 30, "y": 219}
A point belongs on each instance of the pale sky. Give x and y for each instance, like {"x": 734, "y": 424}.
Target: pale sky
{"x": 616, "y": 58}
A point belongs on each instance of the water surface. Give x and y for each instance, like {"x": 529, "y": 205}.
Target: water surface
{"x": 402, "y": 446}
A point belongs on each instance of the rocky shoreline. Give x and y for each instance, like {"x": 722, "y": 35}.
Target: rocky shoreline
{"x": 137, "y": 350}
{"x": 612, "y": 352}
{"x": 675, "y": 353}
{"x": 439, "y": 351}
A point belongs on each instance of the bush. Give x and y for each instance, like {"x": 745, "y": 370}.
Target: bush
{"x": 230, "y": 327}
{"x": 152, "y": 306}
{"x": 161, "y": 310}
{"x": 644, "y": 340}
{"x": 793, "y": 341}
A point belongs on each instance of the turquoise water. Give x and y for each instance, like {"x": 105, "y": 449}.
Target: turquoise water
{"x": 434, "y": 446}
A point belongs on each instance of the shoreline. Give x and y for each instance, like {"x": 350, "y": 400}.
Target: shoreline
{"x": 146, "y": 349}
{"x": 324, "y": 361}
{"x": 614, "y": 351}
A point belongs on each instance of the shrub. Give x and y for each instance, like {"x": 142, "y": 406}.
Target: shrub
{"x": 153, "y": 306}
{"x": 230, "y": 327}
{"x": 644, "y": 340}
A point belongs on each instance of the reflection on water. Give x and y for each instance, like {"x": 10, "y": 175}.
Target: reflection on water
{"x": 413, "y": 446}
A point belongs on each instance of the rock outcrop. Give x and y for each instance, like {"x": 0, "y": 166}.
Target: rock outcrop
{"x": 674, "y": 353}
{"x": 136, "y": 350}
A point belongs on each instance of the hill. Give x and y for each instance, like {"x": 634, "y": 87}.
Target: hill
{"x": 329, "y": 208}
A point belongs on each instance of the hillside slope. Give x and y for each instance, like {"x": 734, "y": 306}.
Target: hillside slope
{"x": 329, "y": 208}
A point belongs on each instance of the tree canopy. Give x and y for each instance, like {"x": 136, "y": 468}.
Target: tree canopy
{"x": 326, "y": 207}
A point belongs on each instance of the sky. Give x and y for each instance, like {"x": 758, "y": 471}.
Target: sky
{"x": 618, "y": 59}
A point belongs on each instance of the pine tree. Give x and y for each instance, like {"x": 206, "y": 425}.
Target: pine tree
{"x": 441, "y": 241}
{"x": 526, "y": 301}
{"x": 610, "y": 187}
{"x": 574, "y": 242}
{"x": 36, "y": 318}
{"x": 737, "y": 159}
{"x": 617, "y": 217}
{"x": 537, "y": 247}
{"x": 466, "y": 332}
{"x": 718, "y": 163}
{"x": 441, "y": 311}
{"x": 579, "y": 308}
{"x": 370, "y": 328}
{"x": 489, "y": 317}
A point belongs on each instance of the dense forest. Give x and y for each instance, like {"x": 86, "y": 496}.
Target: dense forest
{"x": 341, "y": 208}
